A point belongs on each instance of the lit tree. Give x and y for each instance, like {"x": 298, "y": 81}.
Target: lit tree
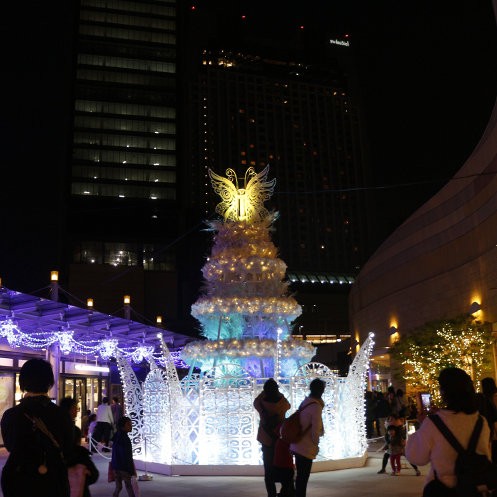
{"x": 461, "y": 342}
{"x": 245, "y": 309}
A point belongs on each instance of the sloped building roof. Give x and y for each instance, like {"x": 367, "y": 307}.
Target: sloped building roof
{"x": 30, "y": 320}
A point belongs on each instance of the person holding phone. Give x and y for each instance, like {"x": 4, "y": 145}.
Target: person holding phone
{"x": 424, "y": 406}
{"x": 428, "y": 444}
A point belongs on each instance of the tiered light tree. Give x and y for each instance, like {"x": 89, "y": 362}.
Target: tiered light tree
{"x": 245, "y": 311}
{"x": 207, "y": 419}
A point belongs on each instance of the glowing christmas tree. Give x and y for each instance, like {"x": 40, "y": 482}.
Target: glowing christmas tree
{"x": 246, "y": 314}
{"x": 245, "y": 310}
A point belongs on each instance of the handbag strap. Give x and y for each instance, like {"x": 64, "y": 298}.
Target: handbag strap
{"x": 300, "y": 410}
{"x": 39, "y": 424}
{"x": 438, "y": 422}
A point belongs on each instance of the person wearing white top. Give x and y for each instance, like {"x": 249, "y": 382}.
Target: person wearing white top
{"x": 307, "y": 448}
{"x": 428, "y": 445}
{"x": 105, "y": 424}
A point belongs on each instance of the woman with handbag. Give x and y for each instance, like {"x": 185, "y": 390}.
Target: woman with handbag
{"x": 81, "y": 469}
{"x": 39, "y": 437}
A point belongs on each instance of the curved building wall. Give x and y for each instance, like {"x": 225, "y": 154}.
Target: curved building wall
{"x": 440, "y": 260}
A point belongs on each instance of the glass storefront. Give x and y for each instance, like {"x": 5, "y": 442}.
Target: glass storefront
{"x": 88, "y": 390}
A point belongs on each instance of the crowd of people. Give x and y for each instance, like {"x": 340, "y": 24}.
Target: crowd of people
{"x": 379, "y": 406}
{"x": 47, "y": 459}
{"x": 460, "y": 410}
{"x": 46, "y": 456}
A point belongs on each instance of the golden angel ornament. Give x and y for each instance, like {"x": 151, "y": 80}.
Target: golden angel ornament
{"x": 243, "y": 204}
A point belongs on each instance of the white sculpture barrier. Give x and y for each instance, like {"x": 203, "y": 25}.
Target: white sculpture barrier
{"x": 209, "y": 420}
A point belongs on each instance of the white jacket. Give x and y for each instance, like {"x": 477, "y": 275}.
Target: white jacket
{"x": 104, "y": 414}
{"x": 312, "y": 422}
{"x": 428, "y": 445}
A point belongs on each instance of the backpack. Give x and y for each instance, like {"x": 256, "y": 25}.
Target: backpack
{"x": 475, "y": 473}
{"x": 291, "y": 429}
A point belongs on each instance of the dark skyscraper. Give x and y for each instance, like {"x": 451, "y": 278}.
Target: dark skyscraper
{"x": 250, "y": 110}
{"x": 123, "y": 208}
{"x": 163, "y": 92}
{"x": 156, "y": 92}
{"x": 253, "y": 101}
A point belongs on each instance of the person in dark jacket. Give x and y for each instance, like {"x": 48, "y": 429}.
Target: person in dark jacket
{"x": 38, "y": 436}
{"x": 122, "y": 457}
{"x": 487, "y": 406}
{"x": 382, "y": 412}
{"x": 271, "y": 405}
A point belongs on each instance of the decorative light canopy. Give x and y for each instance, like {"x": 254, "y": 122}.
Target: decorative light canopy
{"x": 105, "y": 348}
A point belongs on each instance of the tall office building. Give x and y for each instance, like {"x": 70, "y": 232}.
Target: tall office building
{"x": 252, "y": 102}
{"x": 247, "y": 110}
{"x": 123, "y": 208}
{"x": 161, "y": 95}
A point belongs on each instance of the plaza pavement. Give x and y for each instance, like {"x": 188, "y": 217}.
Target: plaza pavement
{"x": 358, "y": 482}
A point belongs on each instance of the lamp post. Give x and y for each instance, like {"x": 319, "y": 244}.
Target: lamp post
{"x": 53, "y": 352}
{"x": 127, "y": 307}
{"x": 54, "y": 286}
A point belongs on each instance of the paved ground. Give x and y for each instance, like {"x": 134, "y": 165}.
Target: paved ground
{"x": 361, "y": 482}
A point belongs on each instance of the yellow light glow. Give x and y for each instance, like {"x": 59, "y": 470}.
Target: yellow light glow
{"x": 54, "y": 276}
{"x": 475, "y": 297}
{"x": 242, "y": 204}
{"x": 127, "y": 299}
{"x": 89, "y": 302}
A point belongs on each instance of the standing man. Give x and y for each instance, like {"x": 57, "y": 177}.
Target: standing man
{"x": 271, "y": 405}
{"x": 307, "y": 448}
{"x": 117, "y": 409}
{"x": 105, "y": 424}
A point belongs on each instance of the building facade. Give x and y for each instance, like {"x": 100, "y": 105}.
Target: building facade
{"x": 440, "y": 263}
{"x": 160, "y": 96}
{"x": 123, "y": 214}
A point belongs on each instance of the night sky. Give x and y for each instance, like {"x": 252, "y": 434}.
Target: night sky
{"x": 428, "y": 77}
{"x": 427, "y": 70}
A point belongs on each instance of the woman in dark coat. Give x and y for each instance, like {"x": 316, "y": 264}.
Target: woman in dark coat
{"x": 38, "y": 436}
{"x": 271, "y": 405}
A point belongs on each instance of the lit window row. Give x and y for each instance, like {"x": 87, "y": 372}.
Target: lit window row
{"x": 130, "y": 158}
{"x": 123, "y": 191}
{"x": 125, "y": 109}
{"x": 146, "y": 7}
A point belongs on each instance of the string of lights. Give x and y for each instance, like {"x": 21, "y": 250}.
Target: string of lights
{"x": 105, "y": 348}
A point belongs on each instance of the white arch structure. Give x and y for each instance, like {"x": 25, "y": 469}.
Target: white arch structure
{"x": 206, "y": 424}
